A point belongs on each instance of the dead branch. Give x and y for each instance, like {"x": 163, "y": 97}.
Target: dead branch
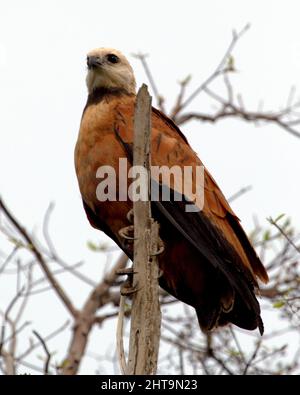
{"x": 32, "y": 247}
{"x": 86, "y": 318}
{"x": 145, "y": 311}
{"x": 227, "y": 107}
{"x": 158, "y": 96}
{"x": 34, "y": 346}
{"x": 220, "y": 69}
{"x": 239, "y": 193}
{"x": 281, "y": 230}
{"x": 52, "y": 253}
{"x": 48, "y": 354}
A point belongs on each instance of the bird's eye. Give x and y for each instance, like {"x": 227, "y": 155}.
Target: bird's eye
{"x": 112, "y": 58}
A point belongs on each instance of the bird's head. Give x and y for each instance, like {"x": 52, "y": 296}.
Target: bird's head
{"x": 108, "y": 68}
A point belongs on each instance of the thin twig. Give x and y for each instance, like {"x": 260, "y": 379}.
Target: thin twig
{"x": 237, "y": 343}
{"x": 33, "y": 346}
{"x": 252, "y": 358}
{"x": 239, "y": 193}
{"x": 8, "y": 259}
{"x": 220, "y": 67}
{"x": 158, "y": 97}
{"x": 274, "y": 223}
{"x": 86, "y": 318}
{"x": 48, "y": 354}
{"x": 179, "y": 100}
{"x": 54, "y": 255}
{"x": 58, "y": 289}
{"x": 16, "y": 332}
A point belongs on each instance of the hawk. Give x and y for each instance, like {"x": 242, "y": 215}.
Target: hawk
{"x": 208, "y": 261}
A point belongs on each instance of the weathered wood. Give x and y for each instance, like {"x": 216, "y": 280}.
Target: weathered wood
{"x": 145, "y": 315}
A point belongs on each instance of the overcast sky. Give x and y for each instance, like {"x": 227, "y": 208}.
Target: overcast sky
{"x": 43, "y": 46}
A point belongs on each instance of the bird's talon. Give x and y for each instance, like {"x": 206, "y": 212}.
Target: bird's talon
{"x": 128, "y": 290}
{"x": 126, "y": 271}
{"x": 130, "y": 216}
{"x": 124, "y": 232}
{"x": 160, "y": 250}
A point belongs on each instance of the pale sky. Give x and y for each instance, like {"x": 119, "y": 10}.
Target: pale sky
{"x": 43, "y": 46}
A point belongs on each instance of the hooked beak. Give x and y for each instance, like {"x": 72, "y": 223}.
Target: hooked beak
{"x": 93, "y": 62}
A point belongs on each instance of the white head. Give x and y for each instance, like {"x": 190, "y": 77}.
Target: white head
{"x": 108, "y": 68}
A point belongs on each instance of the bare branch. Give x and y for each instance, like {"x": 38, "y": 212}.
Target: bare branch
{"x": 33, "y": 346}
{"x": 158, "y": 97}
{"x": 54, "y": 255}
{"x": 219, "y": 69}
{"x": 274, "y": 223}
{"x": 178, "y": 104}
{"x": 58, "y": 289}
{"x": 230, "y": 110}
{"x": 145, "y": 311}
{"x": 8, "y": 259}
{"x": 86, "y": 318}
{"x": 239, "y": 193}
{"x": 252, "y": 358}
{"x": 48, "y": 354}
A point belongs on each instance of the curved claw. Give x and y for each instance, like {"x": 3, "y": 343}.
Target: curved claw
{"x": 126, "y": 271}
{"x": 130, "y": 216}
{"x": 124, "y": 232}
{"x": 127, "y": 290}
{"x": 160, "y": 250}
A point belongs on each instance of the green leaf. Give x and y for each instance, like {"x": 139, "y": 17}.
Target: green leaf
{"x": 65, "y": 363}
{"x": 186, "y": 80}
{"x": 127, "y": 308}
{"x": 230, "y": 63}
{"x": 92, "y": 246}
{"x": 279, "y": 217}
{"x": 16, "y": 242}
{"x": 101, "y": 247}
{"x": 279, "y": 304}
{"x": 234, "y": 353}
{"x": 266, "y": 235}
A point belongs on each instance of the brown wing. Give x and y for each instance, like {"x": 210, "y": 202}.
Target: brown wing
{"x": 170, "y": 147}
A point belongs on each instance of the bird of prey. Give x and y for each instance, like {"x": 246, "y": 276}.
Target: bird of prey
{"x": 208, "y": 261}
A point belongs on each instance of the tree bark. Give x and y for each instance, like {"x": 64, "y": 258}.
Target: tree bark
{"x": 145, "y": 315}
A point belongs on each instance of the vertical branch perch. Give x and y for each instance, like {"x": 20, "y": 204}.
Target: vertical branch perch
{"x": 145, "y": 315}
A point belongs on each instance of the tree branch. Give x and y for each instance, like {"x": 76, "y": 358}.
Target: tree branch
{"x": 145, "y": 311}
{"x": 219, "y": 69}
{"x": 32, "y": 247}
{"x": 86, "y": 318}
{"x": 48, "y": 354}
